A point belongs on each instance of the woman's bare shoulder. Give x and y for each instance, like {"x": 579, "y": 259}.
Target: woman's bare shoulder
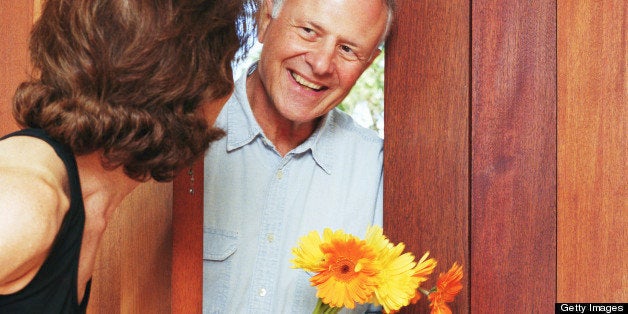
{"x": 33, "y": 201}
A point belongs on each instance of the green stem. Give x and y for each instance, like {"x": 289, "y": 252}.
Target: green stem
{"x": 322, "y": 308}
{"x": 425, "y": 291}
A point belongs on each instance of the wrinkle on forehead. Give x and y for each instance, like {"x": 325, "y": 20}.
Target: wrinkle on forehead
{"x": 352, "y": 21}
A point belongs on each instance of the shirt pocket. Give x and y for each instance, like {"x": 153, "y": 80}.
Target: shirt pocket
{"x": 218, "y": 246}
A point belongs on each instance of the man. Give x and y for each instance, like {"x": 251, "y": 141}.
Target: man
{"x": 291, "y": 163}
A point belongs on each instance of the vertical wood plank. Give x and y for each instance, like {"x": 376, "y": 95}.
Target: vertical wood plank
{"x": 133, "y": 269}
{"x": 426, "y": 165}
{"x": 592, "y": 167}
{"x": 513, "y": 193}
{"x": 16, "y": 19}
{"x": 187, "y": 244}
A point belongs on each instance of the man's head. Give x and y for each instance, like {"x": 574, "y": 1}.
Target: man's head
{"x": 315, "y": 50}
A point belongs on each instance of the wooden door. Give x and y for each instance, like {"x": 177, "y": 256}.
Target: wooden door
{"x": 506, "y": 148}
{"x": 134, "y": 264}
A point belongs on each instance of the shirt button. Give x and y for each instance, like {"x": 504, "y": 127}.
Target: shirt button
{"x": 262, "y": 292}
{"x": 279, "y": 174}
{"x": 270, "y": 237}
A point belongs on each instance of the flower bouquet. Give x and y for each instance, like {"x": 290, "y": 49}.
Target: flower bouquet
{"x": 349, "y": 270}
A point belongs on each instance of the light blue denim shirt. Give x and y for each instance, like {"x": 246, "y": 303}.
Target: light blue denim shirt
{"x": 258, "y": 204}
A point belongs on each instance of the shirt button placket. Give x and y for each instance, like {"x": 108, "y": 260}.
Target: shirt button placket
{"x": 268, "y": 256}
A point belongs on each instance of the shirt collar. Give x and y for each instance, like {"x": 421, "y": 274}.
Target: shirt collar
{"x": 321, "y": 143}
{"x": 242, "y": 129}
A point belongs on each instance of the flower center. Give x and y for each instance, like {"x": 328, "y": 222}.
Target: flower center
{"x": 343, "y": 269}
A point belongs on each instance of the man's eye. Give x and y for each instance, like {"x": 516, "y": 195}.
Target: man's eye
{"x": 348, "y": 53}
{"x": 307, "y": 30}
{"x": 346, "y": 49}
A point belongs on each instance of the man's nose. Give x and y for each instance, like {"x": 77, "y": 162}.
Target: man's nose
{"x": 321, "y": 58}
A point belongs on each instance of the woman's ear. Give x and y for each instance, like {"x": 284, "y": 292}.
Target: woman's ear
{"x": 264, "y": 17}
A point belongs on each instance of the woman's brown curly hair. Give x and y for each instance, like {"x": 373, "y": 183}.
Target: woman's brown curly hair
{"x": 127, "y": 77}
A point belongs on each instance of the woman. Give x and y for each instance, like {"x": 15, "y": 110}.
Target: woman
{"x": 123, "y": 95}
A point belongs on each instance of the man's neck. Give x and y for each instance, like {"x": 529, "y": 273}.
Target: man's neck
{"x": 283, "y": 133}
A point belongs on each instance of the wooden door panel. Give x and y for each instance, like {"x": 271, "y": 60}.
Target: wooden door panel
{"x": 187, "y": 240}
{"x": 426, "y": 165}
{"x": 133, "y": 270}
{"x": 16, "y": 18}
{"x": 513, "y": 238}
{"x": 593, "y": 110}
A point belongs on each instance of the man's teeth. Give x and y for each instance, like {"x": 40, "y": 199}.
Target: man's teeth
{"x": 305, "y": 83}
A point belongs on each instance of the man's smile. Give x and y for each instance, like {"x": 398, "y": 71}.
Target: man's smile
{"x": 302, "y": 81}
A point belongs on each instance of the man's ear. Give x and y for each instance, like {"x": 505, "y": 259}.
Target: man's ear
{"x": 263, "y": 19}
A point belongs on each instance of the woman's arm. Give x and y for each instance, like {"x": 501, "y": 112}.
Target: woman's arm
{"x": 32, "y": 205}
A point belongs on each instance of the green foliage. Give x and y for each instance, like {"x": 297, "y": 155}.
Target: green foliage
{"x": 368, "y": 92}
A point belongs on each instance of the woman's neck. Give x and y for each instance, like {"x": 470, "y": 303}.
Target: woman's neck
{"x": 103, "y": 190}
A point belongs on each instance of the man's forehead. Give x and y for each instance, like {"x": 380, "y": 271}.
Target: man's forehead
{"x": 346, "y": 17}
{"x": 367, "y": 14}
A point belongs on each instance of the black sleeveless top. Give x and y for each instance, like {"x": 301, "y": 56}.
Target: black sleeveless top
{"x": 54, "y": 288}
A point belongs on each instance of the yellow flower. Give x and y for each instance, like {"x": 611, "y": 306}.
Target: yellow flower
{"x": 376, "y": 239}
{"x": 447, "y": 287}
{"x": 346, "y": 272}
{"x": 397, "y": 280}
{"x": 424, "y": 267}
{"x": 308, "y": 254}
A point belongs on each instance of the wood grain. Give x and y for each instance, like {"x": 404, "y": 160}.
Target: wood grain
{"x": 426, "y": 165}
{"x": 187, "y": 244}
{"x": 513, "y": 151}
{"x": 16, "y": 19}
{"x": 592, "y": 115}
{"x": 133, "y": 270}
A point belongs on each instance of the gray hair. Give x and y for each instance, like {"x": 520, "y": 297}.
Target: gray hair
{"x": 390, "y": 4}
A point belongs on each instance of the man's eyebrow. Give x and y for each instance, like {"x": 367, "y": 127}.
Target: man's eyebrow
{"x": 317, "y": 26}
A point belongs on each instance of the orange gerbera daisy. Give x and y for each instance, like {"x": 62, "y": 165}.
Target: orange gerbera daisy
{"x": 447, "y": 287}
{"x": 347, "y": 271}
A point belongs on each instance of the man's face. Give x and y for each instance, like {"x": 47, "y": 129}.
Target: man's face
{"x": 315, "y": 50}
